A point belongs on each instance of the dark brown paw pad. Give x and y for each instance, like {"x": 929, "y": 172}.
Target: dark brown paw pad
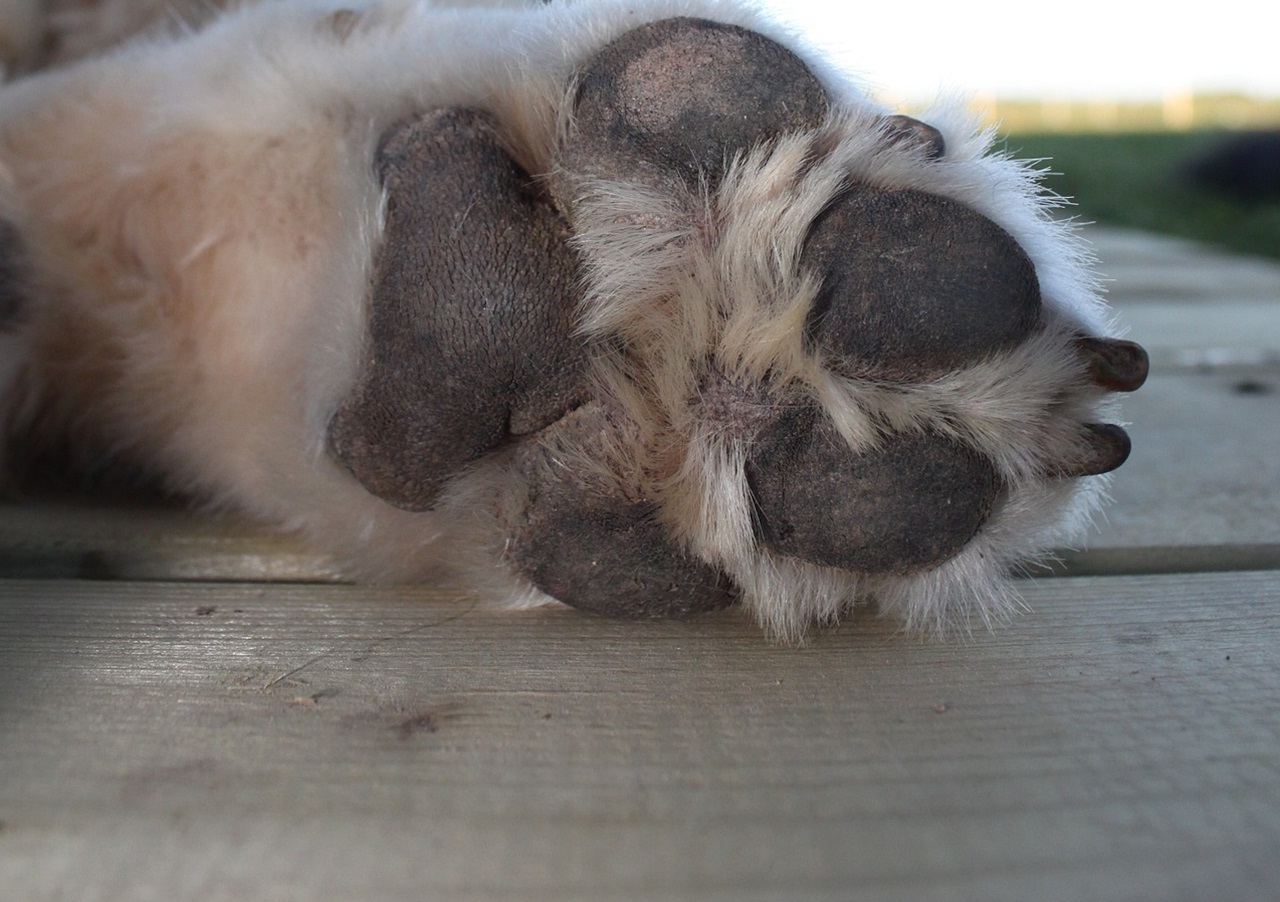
{"x": 915, "y": 285}
{"x": 909, "y": 504}
{"x": 471, "y": 313}
{"x": 584, "y": 541}
{"x": 684, "y": 95}
{"x": 606, "y": 555}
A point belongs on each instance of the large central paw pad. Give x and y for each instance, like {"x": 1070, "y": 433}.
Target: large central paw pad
{"x": 472, "y": 314}
{"x": 822, "y": 375}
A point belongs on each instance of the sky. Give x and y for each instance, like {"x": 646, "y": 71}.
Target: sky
{"x": 1069, "y": 49}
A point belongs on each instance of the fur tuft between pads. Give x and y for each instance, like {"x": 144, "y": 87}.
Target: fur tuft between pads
{"x": 640, "y": 307}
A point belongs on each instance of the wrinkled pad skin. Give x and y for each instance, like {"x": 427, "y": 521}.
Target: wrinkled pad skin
{"x": 681, "y": 96}
{"x": 915, "y": 285}
{"x": 605, "y": 554}
{"x": 586, "y": 542}
{"x": 909, "y": 504}
{"x": 471, "y": 314}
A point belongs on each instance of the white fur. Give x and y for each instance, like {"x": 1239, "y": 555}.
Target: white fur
{"x": 200, "y": 216}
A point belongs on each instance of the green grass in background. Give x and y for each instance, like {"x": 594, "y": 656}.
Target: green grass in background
{"x": 1136, "y": 180}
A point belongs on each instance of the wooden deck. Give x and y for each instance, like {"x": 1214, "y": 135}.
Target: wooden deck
{"x": 191, "y": 710}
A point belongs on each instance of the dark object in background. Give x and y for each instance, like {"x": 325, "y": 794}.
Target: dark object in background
{"x": 1244, "y": 166}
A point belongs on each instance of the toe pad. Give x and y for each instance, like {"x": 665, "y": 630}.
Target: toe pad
{"x": 684, "y": 95}
{"x": 907, "y": 505}
{"x": 915, "y": 285}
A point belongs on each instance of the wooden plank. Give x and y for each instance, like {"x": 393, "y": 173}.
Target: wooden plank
{"x": 1237, "y": 334}
{"x": 1144, "y": 268}
{"x": 84, "y": 539}
{"x": 1204, "y": 472}
{"x": 222, "y": 742}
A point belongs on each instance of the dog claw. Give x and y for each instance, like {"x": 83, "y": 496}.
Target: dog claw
{"x": 906, "y": 130}
{"x": 1104, "y": 447}
{"x": 1114, "y": 364}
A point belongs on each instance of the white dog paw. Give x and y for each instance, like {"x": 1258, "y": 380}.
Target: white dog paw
{"x": 742, "y": 342}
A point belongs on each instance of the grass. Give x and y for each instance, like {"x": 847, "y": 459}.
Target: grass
{"x": 1136, "y": 180}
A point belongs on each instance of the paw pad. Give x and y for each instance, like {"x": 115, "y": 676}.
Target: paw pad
{"x": 471, "y": 315}
{"x": 598, "y": 545}
{"x": 910, "y": 503}
{"x": 915, "y": 285}
{"x": 684, "y": 95}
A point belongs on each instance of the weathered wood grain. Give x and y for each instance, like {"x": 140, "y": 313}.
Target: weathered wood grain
{"x": 1204, "y": 471}
{"x": 83, "y": 539}
{"x": 1192, "y": 307}
{"x": 220, "y": 742}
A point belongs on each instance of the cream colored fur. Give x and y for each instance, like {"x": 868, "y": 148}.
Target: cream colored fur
{"x": 199, "y": 217}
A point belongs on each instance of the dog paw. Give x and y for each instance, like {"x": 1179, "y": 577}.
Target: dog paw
{"x": 745, "y": 340}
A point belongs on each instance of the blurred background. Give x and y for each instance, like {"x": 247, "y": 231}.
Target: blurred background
{"x": 1149, "y": 116}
